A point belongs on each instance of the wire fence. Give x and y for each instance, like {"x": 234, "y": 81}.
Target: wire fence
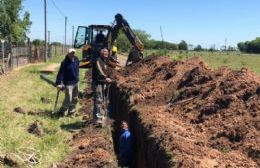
{"x": 22, "y": 54}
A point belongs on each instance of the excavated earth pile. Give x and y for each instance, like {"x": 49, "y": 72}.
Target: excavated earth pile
{"x": 184, "y": 114}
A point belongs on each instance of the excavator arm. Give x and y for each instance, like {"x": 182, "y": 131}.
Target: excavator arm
{"x": 136, "y": 52}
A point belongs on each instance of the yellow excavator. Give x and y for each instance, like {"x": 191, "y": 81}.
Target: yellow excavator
{"x": 94, "y": 37}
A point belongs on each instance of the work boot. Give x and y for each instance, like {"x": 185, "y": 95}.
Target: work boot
{"x": 70, "y": 114}
{"x": 98, "y": 123}
{"x": 61, "y": 112}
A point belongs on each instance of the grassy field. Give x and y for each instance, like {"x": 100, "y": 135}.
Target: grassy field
{"x": 233, "y": 60}
{"x": 23, "y": 88}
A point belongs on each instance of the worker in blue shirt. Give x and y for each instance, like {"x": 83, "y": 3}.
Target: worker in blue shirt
{"x": 125, "y": 146}
{"x": 67, "y": 79}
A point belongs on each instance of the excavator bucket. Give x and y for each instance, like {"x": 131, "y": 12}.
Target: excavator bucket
{"x": 134, "y": 56}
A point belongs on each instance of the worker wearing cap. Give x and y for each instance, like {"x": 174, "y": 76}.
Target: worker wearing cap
{"x": 67, "y": 79}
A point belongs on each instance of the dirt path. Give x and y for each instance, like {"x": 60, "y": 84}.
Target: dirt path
{"x": 50, "y": 68}
{"x": 10, "y": 74}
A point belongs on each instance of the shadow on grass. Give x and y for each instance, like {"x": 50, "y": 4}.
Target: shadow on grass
{"x": 73, "y": 126}
{"x": 44, "y": 113}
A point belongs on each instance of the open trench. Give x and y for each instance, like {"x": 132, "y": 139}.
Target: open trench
{"x": 96, "y": 147}
{"x": 180, "y": 113}
{"x": 147, "y": 152}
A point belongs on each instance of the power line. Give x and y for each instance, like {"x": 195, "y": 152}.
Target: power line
{"x": 59, "y": 10}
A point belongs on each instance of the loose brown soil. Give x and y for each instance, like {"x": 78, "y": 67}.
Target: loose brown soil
{"x": 36, "y": 128}
{"x": 202, "y": 117}
{"x": 181, "y": 113}
{"x": 19, "y": 110}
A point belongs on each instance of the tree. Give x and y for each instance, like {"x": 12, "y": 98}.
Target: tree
{"x": 142, "y": 35}
{"x": 198, "y": 48}
{"x": 37, "y": 42}
{"x": 190, "y": 47}
{"x": 123, "y": 43}
{"x": 241, "y": 46}
{"x": 212, "y": 48}
{"x": 56, "y": 43}
{"x": 171, "y": 46}
{"x": 230, "y": 48}
{"x": 250, "y": 46}
{"x": 12, "y": 26}
{"x": 183, "y": 45}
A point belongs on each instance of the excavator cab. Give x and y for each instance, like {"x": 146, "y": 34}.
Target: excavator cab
{"x": 91, "y": 39}
{"x": 92, "y": 35}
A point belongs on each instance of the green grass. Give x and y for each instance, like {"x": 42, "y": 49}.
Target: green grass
{"x": 24, "y": 88}
{"x": 233, "y": 60}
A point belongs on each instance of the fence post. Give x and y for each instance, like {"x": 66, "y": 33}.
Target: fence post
{"x": 10, "y": 58}
{"x": 18, "y": 52}
{"x": 49, "y": 50}
{"x": 29, "y": 55}
{"x": 55, "y": 50}
{"x": 3, "y": 55}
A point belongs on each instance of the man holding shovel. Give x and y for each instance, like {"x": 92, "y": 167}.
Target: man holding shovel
{"x": 67, "y": 80}
{"x": 100, "y": 86}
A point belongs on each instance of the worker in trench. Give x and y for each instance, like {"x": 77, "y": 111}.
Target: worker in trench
{"x": 67, "y": 79}
{"x": 100, "y": 83}
{"x": 113, "y": 56}
{"x": 125, "y": 146}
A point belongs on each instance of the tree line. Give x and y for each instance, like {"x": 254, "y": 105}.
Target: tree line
{"x": 124, "y": 45}
{"x": 250, "y": 46}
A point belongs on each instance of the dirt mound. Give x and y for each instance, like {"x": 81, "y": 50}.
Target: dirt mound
{"x": 93, "y": 149}
{"x": 36, "y": 128}
{"x": 203, "y": 117}
{"x": 19, "y": 110}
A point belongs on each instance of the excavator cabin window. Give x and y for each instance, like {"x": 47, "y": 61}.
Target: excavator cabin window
{"x": 82, "y": 37}
{"x": 99, "y": 36}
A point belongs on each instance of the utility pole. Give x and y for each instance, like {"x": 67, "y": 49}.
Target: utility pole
{"x": 63, "y": 46}
{"x": 72, "y": 43}
{"x": 45, "y": 27}
{"x": 49, "y": 49}
{"x": 163, "y": 44}
{"x": 225, "y": 44}
{"x": 65, "y": 32}
{"x": 49, "y": 34}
